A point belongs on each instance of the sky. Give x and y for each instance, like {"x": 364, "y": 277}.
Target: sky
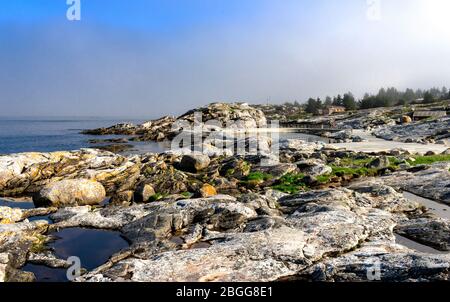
{"x": 148, "y": 58}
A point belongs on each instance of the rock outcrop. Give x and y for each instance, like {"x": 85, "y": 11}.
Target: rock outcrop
{"x": 70, "y": 192}
{"x": 215, "y": 116}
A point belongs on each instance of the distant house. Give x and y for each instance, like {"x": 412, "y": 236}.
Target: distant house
{"x": 421, "y": 115}
{"x": 333, "y": 109}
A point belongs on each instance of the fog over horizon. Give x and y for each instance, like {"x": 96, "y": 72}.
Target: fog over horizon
{"x": 153, "y": 58}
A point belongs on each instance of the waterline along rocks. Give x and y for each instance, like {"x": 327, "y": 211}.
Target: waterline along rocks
{"x": 312, "y": 211}
{"x": 221, "y": 115}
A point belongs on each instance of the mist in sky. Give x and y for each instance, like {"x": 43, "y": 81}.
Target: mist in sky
{"x": 151, "y": 58}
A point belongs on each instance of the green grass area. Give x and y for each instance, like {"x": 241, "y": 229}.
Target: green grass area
{"x": 352, "y": 162}
{"x": 291, "y": 183}
{"x": 259, "y": 176}
{"x": 158, "y": 196}
{"x": 187, "y": 194}
{"x": 428, "y": 160}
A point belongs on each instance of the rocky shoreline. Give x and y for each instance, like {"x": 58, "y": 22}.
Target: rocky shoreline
{"x": 311, "y": 212}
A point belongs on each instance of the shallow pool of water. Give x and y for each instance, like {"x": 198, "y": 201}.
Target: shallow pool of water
{"x": 16, "y": 204}
{"x": 435, "y": 207}
{"x": 93, "y": 247}
{"x": 46, "y": 274}
{"x": 416, "y": 246}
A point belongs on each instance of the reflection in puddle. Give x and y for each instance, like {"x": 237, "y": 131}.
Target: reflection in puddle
{"x": 439, "y": 209}
{"x": 93, "y": 247}
{"x": 17, "y": 204}
{"x": 416, "y": 246}
{"x": 46, "y": 274}
{"x": 36, "y": 218}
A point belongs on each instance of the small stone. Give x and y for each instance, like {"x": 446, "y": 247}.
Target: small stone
{"x": 207, "y": 191}
{"x": 406, "y": 119}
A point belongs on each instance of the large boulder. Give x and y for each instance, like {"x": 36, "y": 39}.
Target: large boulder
{"x": 194, "y": 162}
{"x": 70, "y": 192}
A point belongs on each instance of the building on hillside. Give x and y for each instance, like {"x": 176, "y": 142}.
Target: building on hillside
{"x": 421, "y": 115}
{"x": 329, "y": 110}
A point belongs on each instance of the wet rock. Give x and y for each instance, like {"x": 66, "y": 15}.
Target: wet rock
{"x": 194, "y": 163}
{"x": 69, "y": 193}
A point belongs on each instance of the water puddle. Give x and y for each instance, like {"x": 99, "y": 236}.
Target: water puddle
{"x": 416, "y": 246}
{"x": 93, "y": 247}
{"x": 46, "y": 274}
{"x": 25, "y": 204}
{"x": 438, "y": 209}
{"x": 36, "y": 218}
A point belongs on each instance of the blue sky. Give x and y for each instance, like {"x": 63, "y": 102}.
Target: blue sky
{"x": 148, "y": 58}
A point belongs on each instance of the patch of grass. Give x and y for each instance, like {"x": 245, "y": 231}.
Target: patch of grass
{"x": 352, "y": 162}
{"x": 259, "y": 176}
{"x": 428, "y": 160}
{"x": 157, "y": 196}
{"x": 291, "y": 183}
{"x": 323, "y": 179}
{"x": 359, "y": 171}
{"x": 187, "y": 194}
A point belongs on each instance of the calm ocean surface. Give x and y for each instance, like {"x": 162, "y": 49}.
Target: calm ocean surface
{"x": 55, "y": 134}
{"x": 63, "y": 134}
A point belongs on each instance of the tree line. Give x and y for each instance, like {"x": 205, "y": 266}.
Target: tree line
{"x": 386, "y": 97}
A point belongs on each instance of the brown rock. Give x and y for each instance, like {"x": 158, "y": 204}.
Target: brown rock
{"x": 207, "y": 191}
